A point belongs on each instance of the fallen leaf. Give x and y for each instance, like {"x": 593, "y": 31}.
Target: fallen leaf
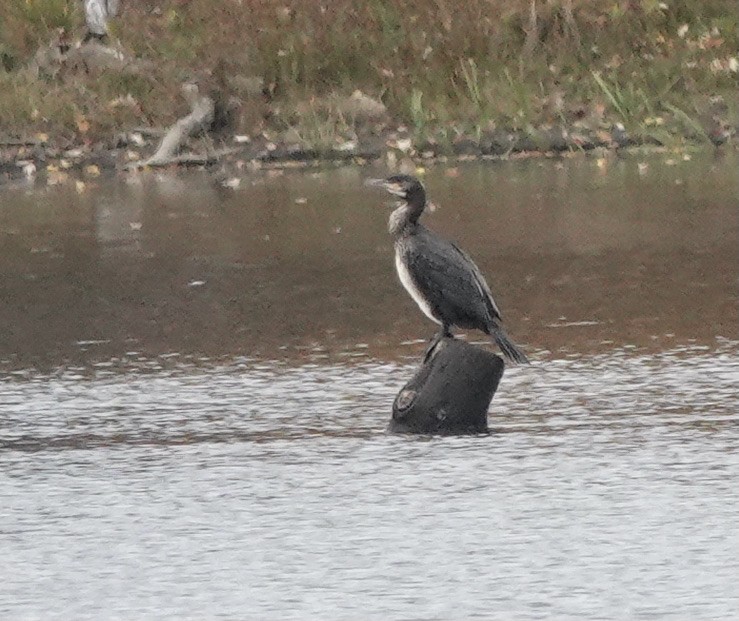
{"x": 83, "y": 125}
{"x": 231, "y": 183}
{"x": 79, "y": 186}
{"x": 56, "y": 177}
{"x": 92, "y": 170}
{"x": 603, "y": 136}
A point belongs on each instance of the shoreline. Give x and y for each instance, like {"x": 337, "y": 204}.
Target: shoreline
{"x": 42, "y": 163}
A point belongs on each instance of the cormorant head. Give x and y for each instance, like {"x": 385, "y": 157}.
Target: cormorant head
{"x": 407, "y": 188}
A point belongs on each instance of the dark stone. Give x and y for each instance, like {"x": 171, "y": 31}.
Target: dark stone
{"x": 719, "y": 135}
{"x": 497, "y": 142}
{"x": 366, "y": 152}
{"x": 524, "y": 142}
{"x": 582, "y": 139}
{"x": 620, "y": 136}
{"x": 429, "y": 147}
{"x": 289, "y": 153}
{"x": 553, "y": 139}
{"x": 465, "y": 146}
{"x": 450, "y": 393}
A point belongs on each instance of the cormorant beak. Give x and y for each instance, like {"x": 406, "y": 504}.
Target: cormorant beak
{"x": 392, "y": 188}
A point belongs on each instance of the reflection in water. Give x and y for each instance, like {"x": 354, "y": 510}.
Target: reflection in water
{"x": 248, "y": 475}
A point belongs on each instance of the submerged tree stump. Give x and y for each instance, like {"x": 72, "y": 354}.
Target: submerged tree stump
{"x": 450, "y": 393}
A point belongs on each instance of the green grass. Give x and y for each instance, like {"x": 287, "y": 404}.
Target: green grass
{"x": 440, "y": 66}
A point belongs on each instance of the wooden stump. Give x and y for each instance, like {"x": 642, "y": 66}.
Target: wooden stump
{"x": 450, "y": 393}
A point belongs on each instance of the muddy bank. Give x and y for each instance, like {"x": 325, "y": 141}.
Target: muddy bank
{"x": 44, "y": 164}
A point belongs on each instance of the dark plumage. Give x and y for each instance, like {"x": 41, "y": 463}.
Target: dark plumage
{"x": 439, "y": 276}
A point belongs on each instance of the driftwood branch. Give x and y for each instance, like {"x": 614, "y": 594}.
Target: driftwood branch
{"x": 150, "y": 132}
{"x": 450, "y": 393}
{"x": 96, "y": 57}
{"x": 93, "y": 57}
{"x": 187, "y": 159}
{"x": 202, "y": 109}
{"x": 97, "y": 14}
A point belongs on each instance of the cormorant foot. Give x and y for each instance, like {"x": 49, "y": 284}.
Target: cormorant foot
{"x": 438, "y": 338}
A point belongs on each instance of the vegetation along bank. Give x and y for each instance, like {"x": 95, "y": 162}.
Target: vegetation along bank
{"x": 260, "y": 82}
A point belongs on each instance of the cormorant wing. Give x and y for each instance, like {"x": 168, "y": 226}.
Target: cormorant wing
{"x": 480, "y": 282}
{"x": 449, "y": 278}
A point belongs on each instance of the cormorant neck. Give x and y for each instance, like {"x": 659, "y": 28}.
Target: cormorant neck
{"x": 405, "y": 217}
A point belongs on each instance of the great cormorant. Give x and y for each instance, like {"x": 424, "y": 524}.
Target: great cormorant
{"x": 442, "y": 279}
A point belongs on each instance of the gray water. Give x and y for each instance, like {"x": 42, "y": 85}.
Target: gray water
{"x": 194, "y": 387}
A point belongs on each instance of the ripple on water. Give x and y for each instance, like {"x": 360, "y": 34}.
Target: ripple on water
{"x": 263, "y": 490}
{"x": 161, "y": 402}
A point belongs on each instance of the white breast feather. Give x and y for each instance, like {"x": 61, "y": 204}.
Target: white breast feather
{"x": 412, "y": 289}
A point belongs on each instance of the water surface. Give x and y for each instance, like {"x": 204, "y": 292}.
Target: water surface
{"x": 195, "y": 386}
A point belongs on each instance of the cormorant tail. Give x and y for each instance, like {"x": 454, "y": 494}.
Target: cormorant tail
{"x": 509, "y": 350}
